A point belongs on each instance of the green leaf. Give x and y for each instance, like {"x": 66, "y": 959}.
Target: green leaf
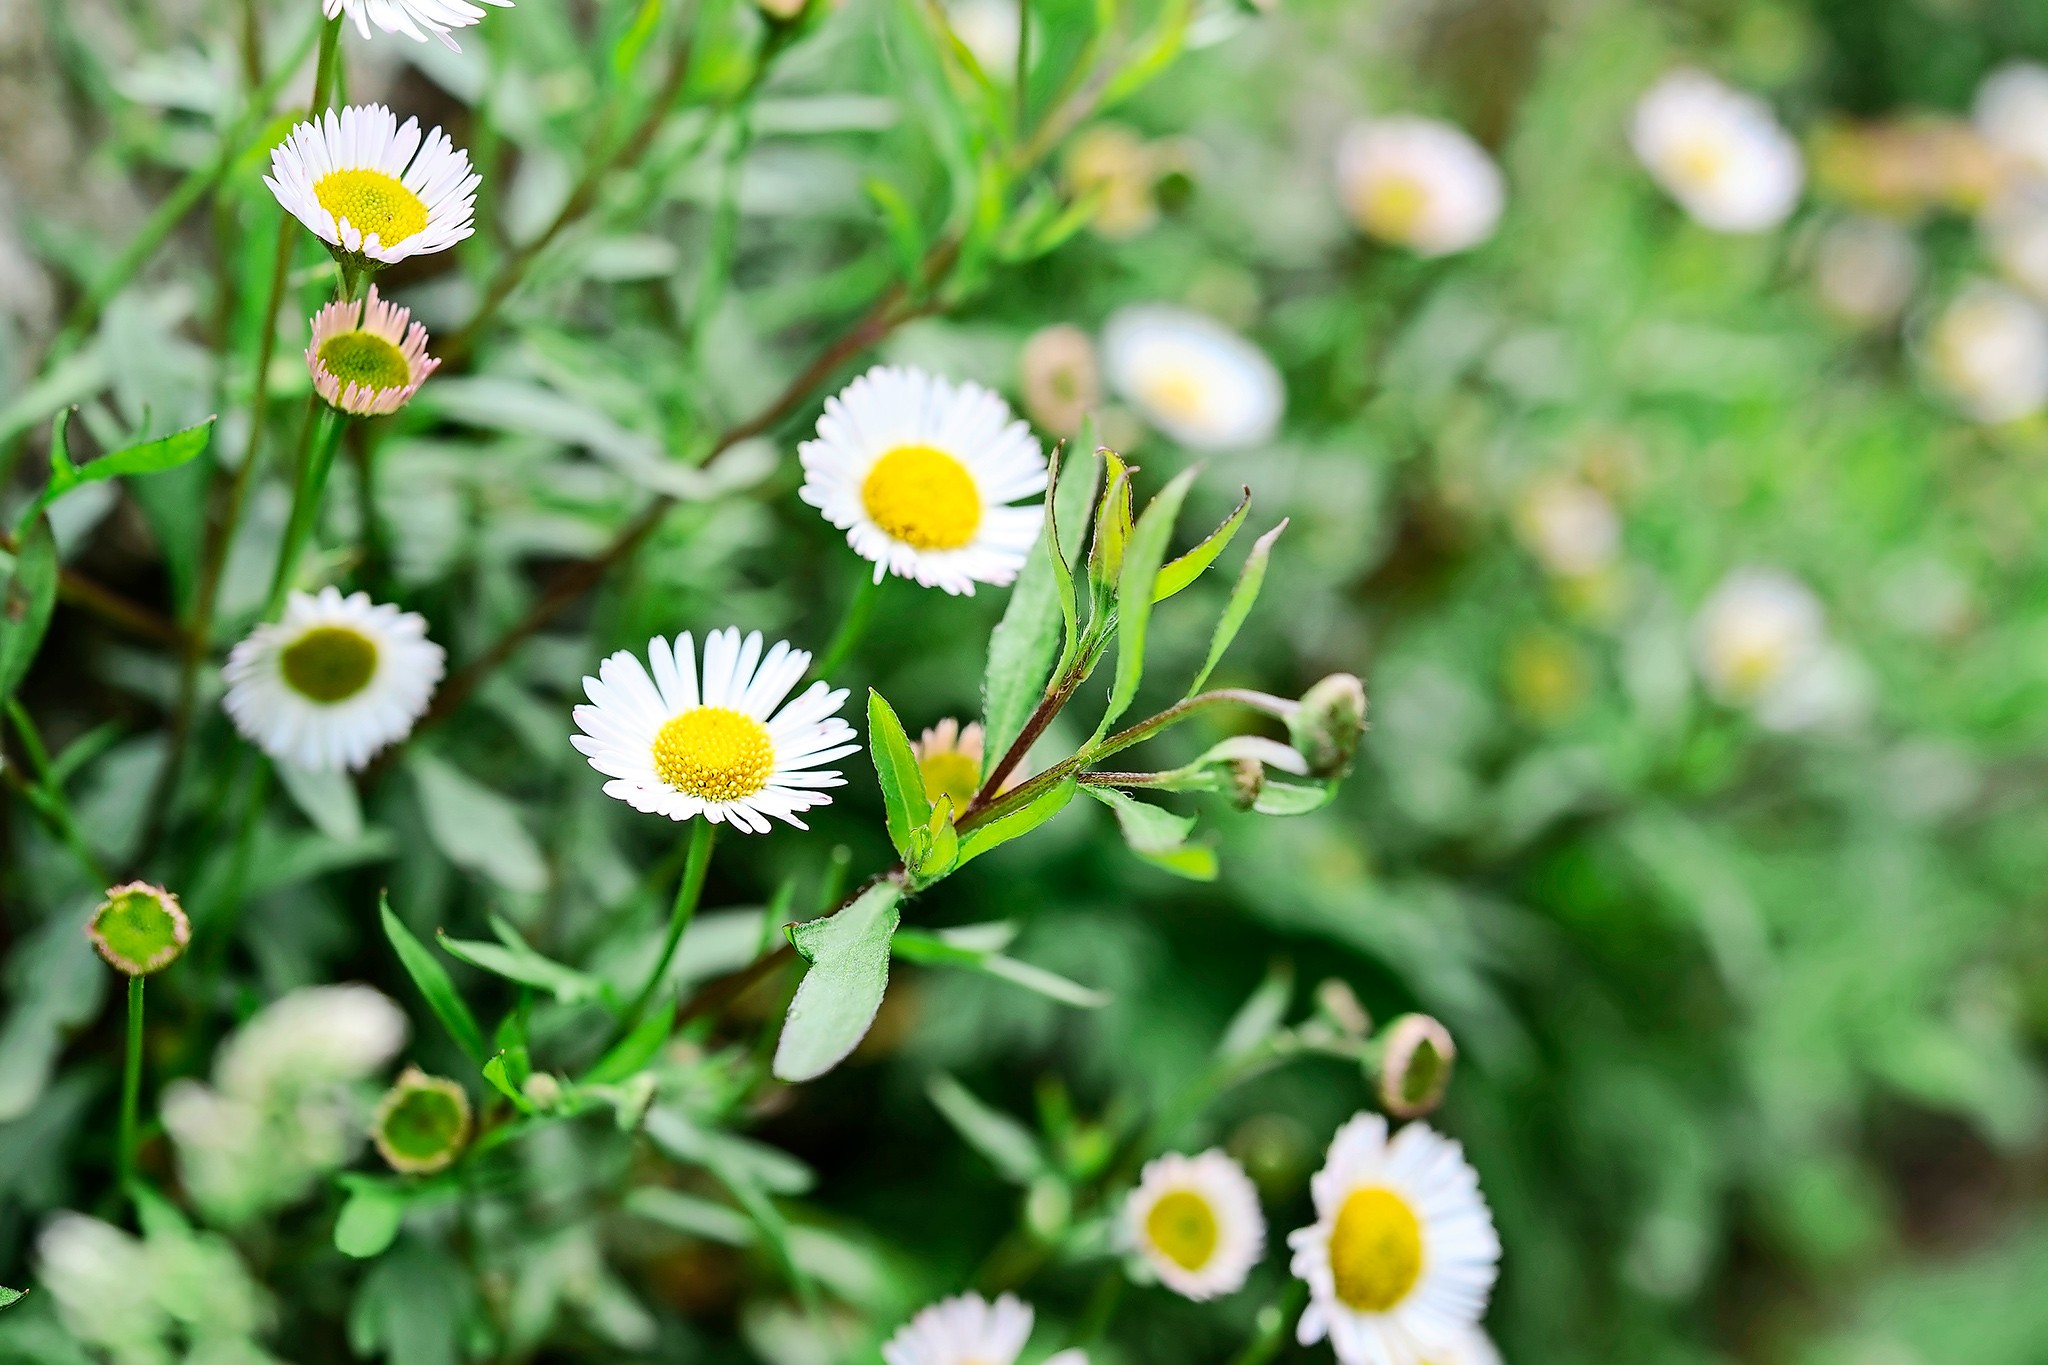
{"x": 626, "y": 55}
{"x": 1142, "y": 558}
{"x": 150, "y": 457}
{"x": 10, "y": 1297}
{"x": 906, "y": 238}
{"x": 938, "y": 845}
{"x": 1017, "y": 823}
{"x": 1185, "y": 570}
{"x": 1249, "y": 580}
{"x": 497, "y": 1073}
{"x": 947, "y": 949}
{"x": 370, "y": 1220}
{"x": 1159, "y": 836}
{"x": 27, "y": 598}
{"x": 903, "y": 795}
{"x": 476, "y": 828}
{"x": 705, "y": 1218}
{"x": 835, "y": 1004}
{"x": 1106, "y": 550}
{"x": 431, "y": 978}
{"x": 633, "y": 1052}
{"x": 1009, "y": 1146}
{"x": 1260, "y": 1014}
{"x": 1022, "y": 650}
{"x": 522, "y": 964}
{"x": 1293, "y": 798}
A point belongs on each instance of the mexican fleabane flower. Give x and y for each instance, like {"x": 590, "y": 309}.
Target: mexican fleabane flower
{"x": 1570, "y": 527}
{"x": 1193, "y": 378}
{"x": 1061, "y": 381}
{"x": 1196, "y": 1222}
{"x": 968, "y": 1330}
{"x": 1718, "y": 151}
{"x": 364, "y": 358}
{"x": 371, "y": 188}
{"x": 2011, "y": 112}
{"x": 920, "y": 473}
{"x": 334, "y": 681}
{"x": 721, "y": 750}
{"x": 1988, "y": 350}
{"x": 1757, "y": 628}
{"x": 1403, "y": 1253}
{"x": 1419, "y": 183}
{"x": 411, "y": 16}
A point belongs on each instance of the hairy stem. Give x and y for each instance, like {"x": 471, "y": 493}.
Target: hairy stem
{"x": 325, "y": 425}
{"x": 689, "y": 891}
{"x": 131, "y": 1086}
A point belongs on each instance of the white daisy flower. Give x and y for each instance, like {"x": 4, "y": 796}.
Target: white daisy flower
{"x": 1864, "y": 270}
{"x": 1718, "y": 151}
{"x": 410, "y": 16}
{"x": 334, "y": 681}
{"x": 1419, "y": 183}
{"x": 1756, "y": 629}
{"x": 1571, "y": 527}
{"x": 1469, "y": 1347}
{"x": 363, "y": 357}
{"x": 920, "y": 471}
{"x": 362, "y": 183}
{"x": 1196, "y": 1221}
{"x": 1193, "y": 378}
{"x": 2011, "y": 111}
{"x": 1989, "y": 350}
{"x": 968, "y": 1330}
{"x": 1402, "y": 1255}
{"x": 722, "y": 750}
{"x": 2015, "y": 231}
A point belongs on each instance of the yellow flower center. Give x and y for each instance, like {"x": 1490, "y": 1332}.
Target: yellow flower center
{"x": 1393, "y": 205}
{"x": 374, "y": 202}
{"x": 923, "y": 497}
{"x": 950, "y": 773}
{"x": 365, "y": 359}
{"x": 1182, "y": 1228}
{"x": 1175, "y": 393}
{"x": 329, "y": 663}
{"x": 1699, "y": 160}
{"x": 1375, "y": 1250}
{"x": 714, "y": 753}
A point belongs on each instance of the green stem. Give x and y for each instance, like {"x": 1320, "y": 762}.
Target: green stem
{"x": 1273, "y": 1322}
{"x": 689, "y": 890}
{"x": 328, "y": 425}
{"x": 131, "y": 1085}
{"x": 860, "y": 609}
{"x": 47, "y": 798}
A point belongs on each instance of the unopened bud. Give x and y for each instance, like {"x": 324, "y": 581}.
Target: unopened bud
{"x": 1326, "y": 726}
{"x": 422, "y": 1123}
{"x": 542, "y": 1090}
{"x": 1338, "y": 1003}
{"x": 1416, "y": 1055}
{"x": 1247, "y": 778}
{"x": 139, "y": 928}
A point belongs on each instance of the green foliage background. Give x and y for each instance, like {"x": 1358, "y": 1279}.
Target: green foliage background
{"x": 1751, "y": 1026}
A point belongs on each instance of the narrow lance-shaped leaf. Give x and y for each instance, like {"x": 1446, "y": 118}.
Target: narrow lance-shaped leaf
{"x": 633, "y": 1052}
{"x": 1159, "y": 836}
{"x": 1142, "y": 558}
{"x": 525, "y": 966}
{"x": 904, "y": 801}
{"x": 1009, "y": 1146}
{"x": 1179, "y": 573}
{"x": 434, "y": 984}
{"x": 1242, "y": 598}
{"x": 949, "y": 950}
{"x": 1261, "y": 1013}
{"x": 1017, "y": 823}
{"x": 835, "y": 1004}
{"x": 27, "y": 598}
{"x": 148, "y": 457}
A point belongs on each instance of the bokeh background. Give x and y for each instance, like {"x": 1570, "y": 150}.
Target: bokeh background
{"x": 1751, "y": 1007}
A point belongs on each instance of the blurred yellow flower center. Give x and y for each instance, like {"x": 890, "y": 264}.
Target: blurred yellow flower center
{"x": 1392, "y": 205}
{"x": 329, "y": 663}
{"x": 1375, "y": 1250}
{"x": 714, "y": 753}
{"x": 1700, "y": 161}
{"x": 1753, "y": 663}
{"x": 366, "y": 360}
{"x": 1176, "y": 393}
{"x": 374, "y": 202}
{"x": 923, "y": 497}
{"x": 1182, "y": 1227}
{"x": 950, "y": 773}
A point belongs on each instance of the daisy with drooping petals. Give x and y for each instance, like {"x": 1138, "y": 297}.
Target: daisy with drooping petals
{"x": 722, "y": 750}
{"x": 968, "y": 1330}
{"x": 1402, "y": 1255}
{"x": 334, "y": 681}
{"x": 362, "y": 183}
{"x": 1192, "y": 377}
{"x": 1718, "y": 151}
{"x": 919, "y": 472}
{"x": 1196, "y": 1221}
{"x": 949, "y": 759}
{"x": 1419, "y": 183}
{"x": 365, "y": 359}
{"x": 410, "y": 16}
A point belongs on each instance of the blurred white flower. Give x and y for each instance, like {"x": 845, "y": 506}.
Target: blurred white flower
{"x": 988, "y": 29}
{"x": 1196, "y": 1222}
{"x": 1756, "y": 629}
{"x": 2015, "y": 230}
{"x": 284, "y": 1107}
{"x": 964, "y": 1330}
{"x": 2011, "y": 111}
{"x": 1718, "y": 151}
{"x": 1193, "y": 378}
{"x": 1062, "y": 382}
{"x": 1832, "y": 690}
{"x": 1989, "y": 351}
{"x": 129, "y": 1295}
{"x": 1469, "y": 1347}
{"x": 410, "y": 16}
{"x": 1419, "y": 183}
{"x": 1864, "y": 270}
{"x": 1570, "y": 527}
{"x": 361, "y": 182}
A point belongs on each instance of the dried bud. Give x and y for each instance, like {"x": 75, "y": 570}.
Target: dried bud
{"x": 1247, "y": 778}
{"x": 1416, "y": 1053}
{"x": 139, "y": 928}
{"x": 1337, "y": 1003}
{"x": 1327, "y": 724}
{"x": 422, "y": 1123}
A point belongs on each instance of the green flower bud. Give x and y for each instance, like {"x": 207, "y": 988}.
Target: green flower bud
{"x": 1327, "y": 724}
{"x": 422, "y": 1123}
{"x": 1416, "y": 1054}
{"x": 139, "y": 928}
